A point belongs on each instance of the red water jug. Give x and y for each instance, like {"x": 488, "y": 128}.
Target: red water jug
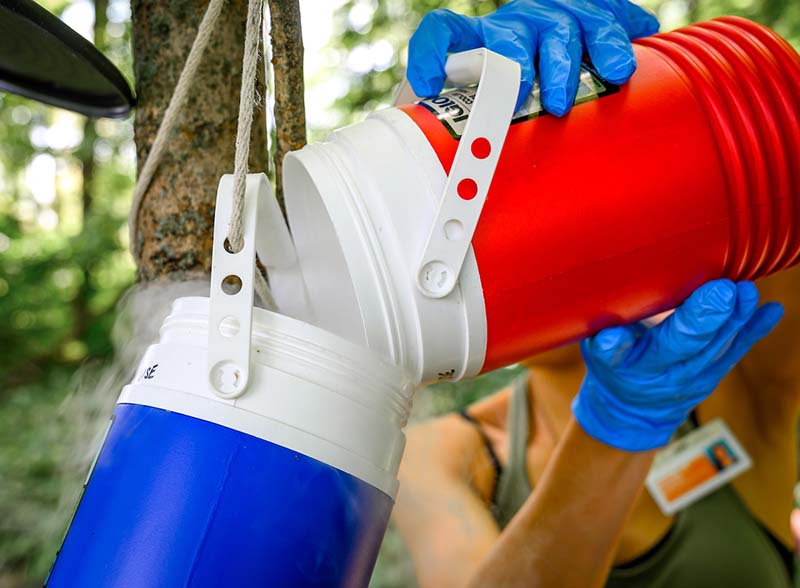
{"x": 689, "y": 172}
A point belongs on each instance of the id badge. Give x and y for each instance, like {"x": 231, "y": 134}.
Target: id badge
{"x": 695, "y": 465}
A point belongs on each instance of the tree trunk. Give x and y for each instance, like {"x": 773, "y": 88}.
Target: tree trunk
{"x": 177, "y": 215}
{"x": 287, "y": 63}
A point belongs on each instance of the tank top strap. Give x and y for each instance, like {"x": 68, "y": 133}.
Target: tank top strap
{"x": 689, "y": 425}
{"x": 513, "y": 486}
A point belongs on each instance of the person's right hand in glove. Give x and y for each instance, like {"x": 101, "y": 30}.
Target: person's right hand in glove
{"x": 552, "y": 33}
{"x": 641, "y": 383}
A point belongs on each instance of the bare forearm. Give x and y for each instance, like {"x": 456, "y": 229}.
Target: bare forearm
{"x": 566, "y": 533}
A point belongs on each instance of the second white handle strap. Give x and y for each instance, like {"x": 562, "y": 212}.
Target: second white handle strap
{"x": 473, "y": 167}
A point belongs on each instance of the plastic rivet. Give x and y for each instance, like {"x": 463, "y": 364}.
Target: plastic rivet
{"x": 437, "y": 278}
{"x": 226, "y": 377}
{"x": 481, "y": 148}
{"x": 467, "y": 189}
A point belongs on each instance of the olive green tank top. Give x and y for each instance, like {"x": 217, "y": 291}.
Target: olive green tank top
{"x": 715, "y": 542}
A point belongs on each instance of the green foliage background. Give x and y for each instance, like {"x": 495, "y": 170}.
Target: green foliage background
{"x": 64, "y": 261}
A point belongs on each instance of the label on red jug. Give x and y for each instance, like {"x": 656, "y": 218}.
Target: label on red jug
{"x": 453, "y": 106}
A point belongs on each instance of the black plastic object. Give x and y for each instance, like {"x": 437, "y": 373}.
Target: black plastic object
{"x": 44, "y": 59}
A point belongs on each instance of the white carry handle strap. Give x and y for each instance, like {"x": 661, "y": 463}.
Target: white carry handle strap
{"x": 277, "y": 252}
{"x": 404, "y": 94}
{"x": 274, "y": 244}
{"x": 231, "y": 308}
{"x": 230, "y": 315}
{"x": 478, "y": 152}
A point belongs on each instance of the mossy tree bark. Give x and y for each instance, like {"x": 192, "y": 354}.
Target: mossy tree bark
{"x": 177, "y": 215}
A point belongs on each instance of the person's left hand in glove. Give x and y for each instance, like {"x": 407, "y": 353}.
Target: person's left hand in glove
{"x": 641, "y": 383}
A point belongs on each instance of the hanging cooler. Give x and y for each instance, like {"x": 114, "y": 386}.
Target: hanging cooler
{"x": 689, "y": 172}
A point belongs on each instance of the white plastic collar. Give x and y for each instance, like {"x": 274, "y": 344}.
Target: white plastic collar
{"x": 473, "y": 167}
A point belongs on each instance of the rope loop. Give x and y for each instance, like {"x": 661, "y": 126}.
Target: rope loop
{"x": 247, "y": 101}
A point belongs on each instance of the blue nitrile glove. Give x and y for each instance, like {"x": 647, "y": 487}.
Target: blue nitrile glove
{"x": 641, "y": 383}
{"x": 555, "y": 30}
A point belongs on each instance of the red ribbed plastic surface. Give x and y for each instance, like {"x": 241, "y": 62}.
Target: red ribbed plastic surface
{"x": 748, "y": 80}
{"x": 690, "y": 172}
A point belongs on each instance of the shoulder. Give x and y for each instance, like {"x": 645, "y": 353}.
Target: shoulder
{"x": 441, "y": 508}
{"x": 492, "y": 411}
{"x": 453, "y": 447}
{"x": 445, "y": 437}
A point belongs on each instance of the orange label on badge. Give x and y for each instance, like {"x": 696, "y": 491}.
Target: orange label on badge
{"x": 694, "y": 473}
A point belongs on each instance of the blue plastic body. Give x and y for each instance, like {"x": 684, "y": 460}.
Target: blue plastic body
{"x": 177, "y": 502}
